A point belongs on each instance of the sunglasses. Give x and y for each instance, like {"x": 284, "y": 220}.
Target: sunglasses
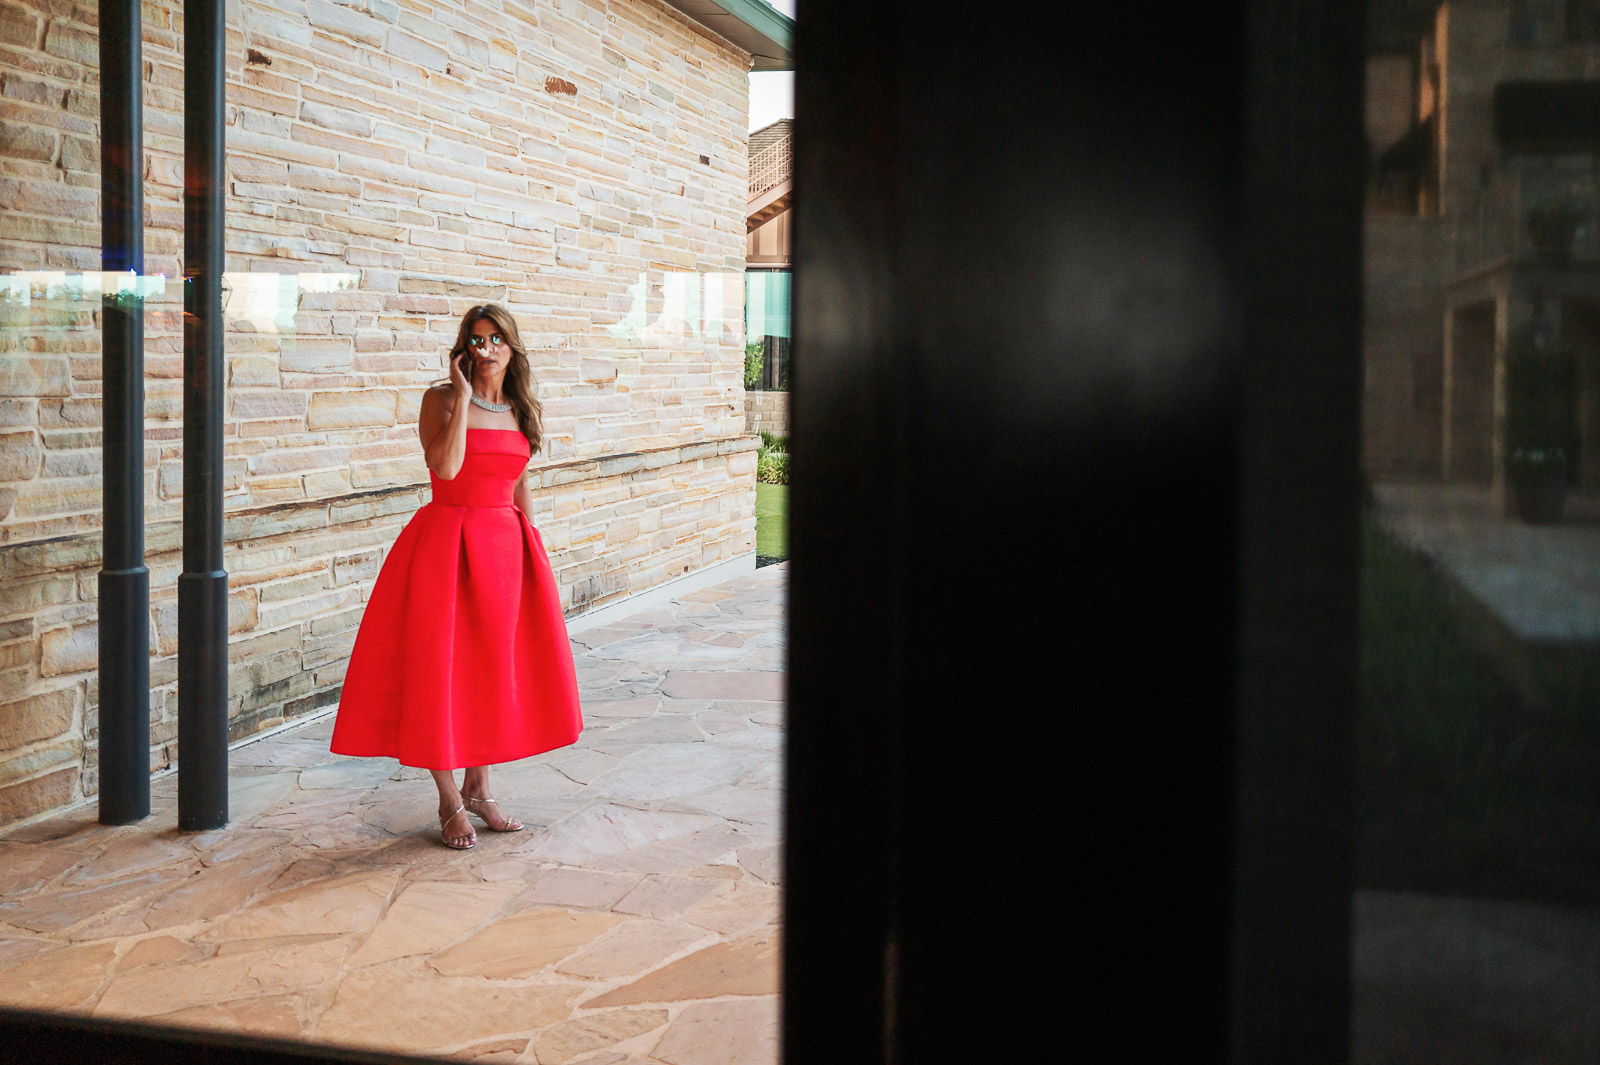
{"x": 476, "y": 341}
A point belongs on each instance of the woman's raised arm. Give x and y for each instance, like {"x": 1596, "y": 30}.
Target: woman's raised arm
{"x": 442, "y": 425}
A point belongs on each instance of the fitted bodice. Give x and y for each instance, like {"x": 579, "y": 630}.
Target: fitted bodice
{"x": 488, "y": 474}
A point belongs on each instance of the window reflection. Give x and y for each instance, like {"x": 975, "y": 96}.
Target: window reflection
{"x": 1477, "y": 934}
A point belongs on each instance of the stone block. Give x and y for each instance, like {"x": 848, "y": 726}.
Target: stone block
{"x": 73, "y": 43}
{"x": 293, "y": 587}
{"x": 336, "y": 118}
{"x": 253, "y": 371}
{"x": 322, "y": 650}
{"x": 307, "y": 704}
{"x": 37, "y": 795}
{"x": 69, "y": 649}
{"x": 331, "y": 623}
{"x": 274, "y": 403}
{"x": 26, "y": 142}
{"x": 16, "y": 653}
{"x": 297, "y": 354}
{"x": 274, "y": 521}
{"x": 324, "y": 483}
{"x": 408, "y": 406}
{"x": 345, "y": 23}
{"x": 37, "y": 717}
{"x": 348, "y": 409}
{"x": 359, "y": 566}
{"x": 412, "y": 50}
{"x": 26, "y": 597}
{"x": 280, "y": 614}
{"x": 388, "y": 472}
{"x": 66, "y": 751}
{"x": 34, "y": 377}
{"x": 19, "y": 411}
{"x": 298, "y": 460}
{"x": 597, "y": 370}
{"x": 71, "y": 463}
{"x": 20, "y": 455}
{"x": 374, "y": 504}
{"x": 18, "y": 27}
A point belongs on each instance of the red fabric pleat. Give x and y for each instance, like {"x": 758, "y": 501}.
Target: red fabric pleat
{"x": 462, "y": 656}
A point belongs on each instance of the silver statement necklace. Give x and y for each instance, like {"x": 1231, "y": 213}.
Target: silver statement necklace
{"x": 496, "y": 408}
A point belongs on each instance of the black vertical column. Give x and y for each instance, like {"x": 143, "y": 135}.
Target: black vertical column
{"x": 1071, "y": 643}
{"x": 1299, "y": 537}
{"x": 203, "y": 585}
{"x": 124, "y": 617}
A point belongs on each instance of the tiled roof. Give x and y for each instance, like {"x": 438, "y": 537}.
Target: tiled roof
{"x": 767, "y": 136}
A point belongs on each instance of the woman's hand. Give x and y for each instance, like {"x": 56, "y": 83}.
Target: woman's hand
{"x": 458, "y": 375}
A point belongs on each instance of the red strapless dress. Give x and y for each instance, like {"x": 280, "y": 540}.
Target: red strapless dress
{"x": 462, "y": 657}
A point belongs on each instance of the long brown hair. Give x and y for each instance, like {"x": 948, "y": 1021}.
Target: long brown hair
{"x": 518, "y": 386}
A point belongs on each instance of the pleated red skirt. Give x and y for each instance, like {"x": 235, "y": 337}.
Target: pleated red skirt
{"x": 462, "y": 656}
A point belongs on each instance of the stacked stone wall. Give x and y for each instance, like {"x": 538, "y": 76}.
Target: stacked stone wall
{"x": 767, "y": 412}
{"x": 390, "y": 164}
{"x": 1407, "y": 262}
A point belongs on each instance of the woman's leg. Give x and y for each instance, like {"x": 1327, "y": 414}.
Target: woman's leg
{"x": 475, "y": 792}
{"x": 456, "y": 828}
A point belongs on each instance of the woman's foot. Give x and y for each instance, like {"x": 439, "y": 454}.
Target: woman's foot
{"x": 456, "y": 829}
{"x": 489, "y": 812}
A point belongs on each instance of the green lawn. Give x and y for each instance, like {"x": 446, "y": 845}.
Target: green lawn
{"x": 1462, "y": 789}
{"x": 772, "y": 520}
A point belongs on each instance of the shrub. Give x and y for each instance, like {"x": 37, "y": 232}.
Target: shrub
{"x": 774, "y": 442}
{"x": 752, "y": 364}
{"x": 772, "y": 467}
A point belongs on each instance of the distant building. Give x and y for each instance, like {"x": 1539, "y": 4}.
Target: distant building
{"x": 767, "y": 269}
{"x": 1484, "y": 130}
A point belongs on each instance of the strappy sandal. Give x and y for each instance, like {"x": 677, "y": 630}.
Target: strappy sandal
{"x": 508, "y": 820}
{"x": 443, "y": 821}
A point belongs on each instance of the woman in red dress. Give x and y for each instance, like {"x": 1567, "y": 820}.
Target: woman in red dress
{"x": 462, "y": 658}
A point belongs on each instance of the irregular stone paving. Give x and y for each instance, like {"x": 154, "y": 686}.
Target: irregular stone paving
{"x": 635, "y": 920}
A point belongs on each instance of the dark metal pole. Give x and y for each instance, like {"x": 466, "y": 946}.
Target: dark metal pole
{"x": 203, "y": 585}
{"x": 124, "y": 615}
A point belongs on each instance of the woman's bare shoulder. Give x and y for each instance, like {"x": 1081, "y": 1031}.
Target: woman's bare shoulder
{"x": 442, "y": 396}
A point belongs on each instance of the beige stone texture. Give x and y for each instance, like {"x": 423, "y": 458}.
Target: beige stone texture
{"x": 61, "y": 910}
{"x": 580, "y": 888}
{"x": 66, "y": 979}
{"x": 521, "y": 945}
{"x": 741, "y": 905}
{"x": 767, "y": 412}
{"x": 158, "y": 950}
{"x": 563, "y": 1042}
{"x": 746, "y": 966}
{"x": 282, "y": 1016}
{"x": 328, "y": 911}
{"x": 151, "y": 992}
{"x": 37, "y": 717}
{"x": 350, "y": 903}
{"x": 735, "y": 1032}
{"x": 396, "y": 1011}
{"x": 664, "y": 896}
{"x": 429, "y": 916}
{"x": 386, "y": 170}
{"x": 633, "y": 947}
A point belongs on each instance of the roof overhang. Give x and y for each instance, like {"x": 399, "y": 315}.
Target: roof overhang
{"x": 766, "y": 34}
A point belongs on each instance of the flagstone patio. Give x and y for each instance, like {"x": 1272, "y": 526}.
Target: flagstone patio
{"x": 635, "y": 920}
